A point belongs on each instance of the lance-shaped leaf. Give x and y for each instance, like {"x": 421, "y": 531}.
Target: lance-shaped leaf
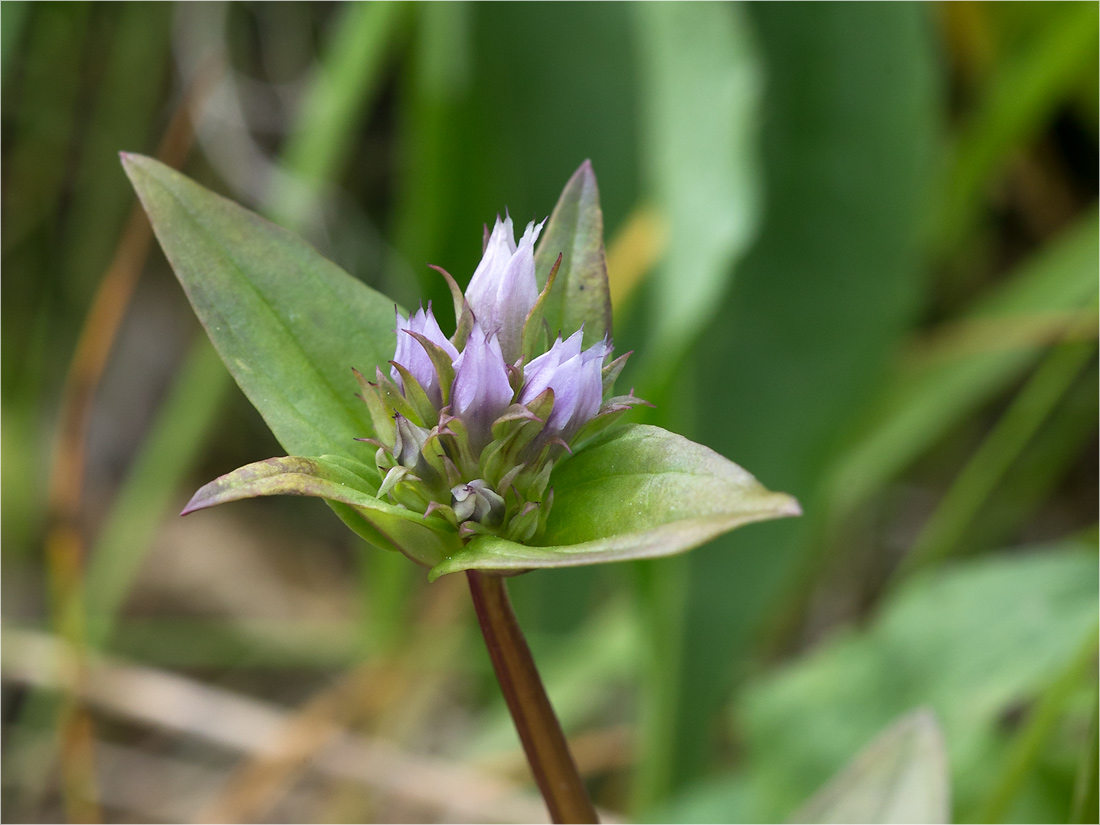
{"x": 635, "y": 492}
{"x": 580, "y": 294}
{"x": 288, "y": 324}
{"x": 900, "y": 777}
{"x": 426, "y": 541}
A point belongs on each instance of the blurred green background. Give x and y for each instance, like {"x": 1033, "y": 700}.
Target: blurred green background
{"x": 854, "y": 249}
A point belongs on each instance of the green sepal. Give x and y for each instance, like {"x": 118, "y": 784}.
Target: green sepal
{"x": 380, "y": 414}
{"x": 524, "y": 524}
{"x": 612, "y": 410}
{"x": 426, "y": 413}
{"x": 536, "y": 335}
{"x": 396, "y": 473}
{"x": 444, "y": 368}
{"x": 464, "y": 316}
{"x": 535, "y": 475}
{"x": 395, "y": 401}
{"x": 581, "y": 296}
{"x": 463, "y": 455}
{"x": 513, "y": 432}
{"x": 611, "y": 372}
{"x": 435, "y": 457}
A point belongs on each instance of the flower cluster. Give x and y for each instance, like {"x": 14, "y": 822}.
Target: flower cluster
{"x": 468, "y": 428}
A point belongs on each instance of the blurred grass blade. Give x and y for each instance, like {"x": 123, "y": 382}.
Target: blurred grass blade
{"x": 1023, "y": 94}
{"x": 825, "y": 293}
{"x": 900, "y": 777}
{"x": 1043, "y": 466}
{"x": 167, "y": 452}
{"x": 289, "y": 324}
{"x": 13, "y": 19}
{"x": 56, "y": 41}
{"x": 924, "y": 400}
{"x": 125, "y": 112}
{"x": 341, "y": 91}
{"x": 1026, "y": 750}
{"x": 698, "y": 67}
{"x": 1086, "y": 787}
{"x": 944, "y": 530}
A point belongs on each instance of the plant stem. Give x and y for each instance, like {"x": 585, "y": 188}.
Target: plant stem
{"x": 538, "y": 728}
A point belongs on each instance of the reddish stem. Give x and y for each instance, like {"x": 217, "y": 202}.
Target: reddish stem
{"x": 543, "y": 741}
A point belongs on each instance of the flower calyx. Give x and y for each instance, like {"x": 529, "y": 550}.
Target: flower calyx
{"x": 468, "y": 428}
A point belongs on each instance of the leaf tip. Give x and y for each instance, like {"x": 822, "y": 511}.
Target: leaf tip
{"x": 585, "y": 176}
{"x": 130, "y": 159}
{"x": 193, "y": 505}
{"x": 205, "y": 496}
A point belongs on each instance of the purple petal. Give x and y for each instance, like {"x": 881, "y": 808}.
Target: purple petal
{"x": 503, "y": 288}
{"x": 538, "y": 373}
{"x": 481, "y": 391}
{"x": 411, "y": 354}
{"x": 577, "y": 381}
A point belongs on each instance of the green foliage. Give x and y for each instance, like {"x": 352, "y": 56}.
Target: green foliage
{"x": 283, "y": 319}
{"x": 579, "y": 297}
{"x": 900, "y": 777}
{"x": 872, "y": 224}
{"x": 818, "y": 304}
{"x": 296, "y": 325}
{"x": 698, "y": 65}
{"x": 968, "y": 641}
{"x": 639, "y": 492}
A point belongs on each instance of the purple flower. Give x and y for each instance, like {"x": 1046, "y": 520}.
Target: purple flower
{"x": 411, "y": 355}
{"x": 575, "y": 377}
{"x": 470, "y": 452}
{"x": 503, "y": 289}
{"x": 481, "y": 390}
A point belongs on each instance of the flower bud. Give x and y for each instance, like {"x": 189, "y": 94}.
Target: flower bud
{"x": 503, "y": 289}
{"x": 411, "y": 354}
{"x": 481, "y": 390}
{"x": 408, "y": 441}
{"x": 576, "y": 379}
{"x": 477, "y": 501}
{"x": 469, "y": 433}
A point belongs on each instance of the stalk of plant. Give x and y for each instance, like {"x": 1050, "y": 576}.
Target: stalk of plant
{"x": 543, "y": 742}
{"x": 496, "y": 450}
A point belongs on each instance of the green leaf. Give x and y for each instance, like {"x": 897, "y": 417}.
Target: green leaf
{"x": 817, "y": 306}
{"x": 900, "y": 777}
{"x": 922, "y": 400}
{"x": 341, "y": 482}
{"x": 702, "y": 80}
{"x": 288, "y": 324}
{"x": 971, "y": 640}
{"x": 1025, "y": 91}
{"x": 580, "y": 295}
{"x": 344, "y": 86}
{"x": 636, "y": 492}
